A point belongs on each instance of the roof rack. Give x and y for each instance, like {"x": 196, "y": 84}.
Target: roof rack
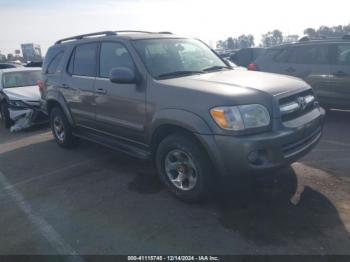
{"x": 106, "y": 33}
{"x": 78, "y": 37}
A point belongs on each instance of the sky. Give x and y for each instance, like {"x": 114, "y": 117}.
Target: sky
{"x": 45, "y": 21}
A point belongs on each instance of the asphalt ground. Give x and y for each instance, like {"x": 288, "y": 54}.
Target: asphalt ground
{"x": 92, "y": 200}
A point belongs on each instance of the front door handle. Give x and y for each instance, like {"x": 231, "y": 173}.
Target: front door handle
{"x": 340, "y": 74}
{"x": 101, "y": 91}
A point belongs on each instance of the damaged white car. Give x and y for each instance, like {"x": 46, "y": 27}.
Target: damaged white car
{"x": 20, "y": 98}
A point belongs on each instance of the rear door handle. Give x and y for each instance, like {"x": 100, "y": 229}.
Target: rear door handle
{"x": 101, "y": 91}
{"x": 340, "y": 74}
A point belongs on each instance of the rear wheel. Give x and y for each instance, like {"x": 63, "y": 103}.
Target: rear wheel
{"x": 61, "y": 129}
{"x": 5, "y": 116}
{"x": 184, "y": 168}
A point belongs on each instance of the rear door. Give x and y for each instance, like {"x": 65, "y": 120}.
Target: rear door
{"x": 312, "y": 64}
{"x": 120, "y": 109}
{"x": 78, "y": 83}
{"x": 340, "y": 76}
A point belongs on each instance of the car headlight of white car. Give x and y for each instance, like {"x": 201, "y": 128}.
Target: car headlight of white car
{"x": 18, "y": 103}
{"x": 242, "y": 117}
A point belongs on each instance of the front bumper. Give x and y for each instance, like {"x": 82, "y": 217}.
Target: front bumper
{"x": 263, "y": 152}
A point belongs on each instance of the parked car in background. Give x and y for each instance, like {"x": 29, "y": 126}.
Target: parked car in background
{"x": 34, "y": 64}
{"x": 8, "y": 65}
{"x": 20, "y": 97}
{"x": 324, "y": 64}
{"x": 245, "y": 56}
{"x": 172, "y": 100}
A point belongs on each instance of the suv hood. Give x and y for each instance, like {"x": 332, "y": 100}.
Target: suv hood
{"x": 273, "y": 84}
{"x": 24, "y": 93}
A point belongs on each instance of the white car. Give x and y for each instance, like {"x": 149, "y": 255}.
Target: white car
{"x": 20, "y": 98}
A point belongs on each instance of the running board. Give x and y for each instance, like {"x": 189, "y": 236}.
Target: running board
{"x": 114, "y": 144}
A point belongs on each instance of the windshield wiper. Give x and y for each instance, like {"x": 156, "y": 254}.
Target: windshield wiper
{"x": 180, "y": 73}
{"x": 213, "y": 68}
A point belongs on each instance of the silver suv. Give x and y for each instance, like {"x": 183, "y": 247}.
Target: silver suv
{"x": 175, "y": 101}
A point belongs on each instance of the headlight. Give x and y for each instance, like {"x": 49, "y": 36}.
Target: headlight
{"x": 241, "y": 117}
{"x": 17, "y": 103}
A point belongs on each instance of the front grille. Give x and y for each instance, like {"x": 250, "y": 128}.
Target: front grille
{"x": 294, "y": 148}
{"x": 294, "y": 106}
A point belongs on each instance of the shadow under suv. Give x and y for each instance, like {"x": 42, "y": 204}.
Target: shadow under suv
{"x": 173, "y": 100}
{"x": 324, "y": 64}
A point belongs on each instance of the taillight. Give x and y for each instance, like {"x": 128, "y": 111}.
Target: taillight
{"x": 41, "y": 86}
{"x": 252, "y": 67}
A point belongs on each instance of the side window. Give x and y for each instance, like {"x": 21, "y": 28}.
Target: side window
{"x": 312, "y": 54}
{"x": 83, "y": 61}
{"x": 343, "y": 54}
{"x": 114, "y": 55}
{"x": 282, "y": 55}
{"x": 50, "y": 56}
{"x": 52, "y": 68}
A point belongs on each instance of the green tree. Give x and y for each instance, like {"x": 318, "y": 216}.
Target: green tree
{"x": 310, "y": 32}
{"x": 272, "y": 38}
{"x": 230, "y": 43}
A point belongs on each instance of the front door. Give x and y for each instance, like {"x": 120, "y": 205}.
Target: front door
{"x": 120, "y": 108}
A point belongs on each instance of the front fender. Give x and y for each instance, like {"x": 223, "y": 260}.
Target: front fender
{"x": 180, "y": 118}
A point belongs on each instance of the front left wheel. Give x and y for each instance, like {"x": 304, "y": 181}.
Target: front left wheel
{"x": 184, "y": 167}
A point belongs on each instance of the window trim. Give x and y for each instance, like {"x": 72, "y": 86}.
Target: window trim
{"x": 72, "y": 56}
{"x": 99, "y": 57}
{"x": 47, "y": 67}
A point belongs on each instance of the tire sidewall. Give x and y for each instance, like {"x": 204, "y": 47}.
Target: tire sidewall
{"x": 69, "y": 140}
{"x": 200, "y": 190}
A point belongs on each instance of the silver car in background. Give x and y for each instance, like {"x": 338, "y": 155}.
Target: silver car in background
{"x": 20, "y": 98}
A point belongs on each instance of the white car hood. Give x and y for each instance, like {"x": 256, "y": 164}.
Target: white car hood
{"x": 25, "y": 93}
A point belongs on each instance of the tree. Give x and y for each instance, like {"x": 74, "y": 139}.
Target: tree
{"x": 272, "y": 38}
{"x": 245, "y": 41}
{"x": 221, "y": 44}
{"x": 310, "y": 32}
{"x": 290, "y": 38}
{"x": 326, "y": 31}
{"x": 230, "y": 43}
{"x": 10, "y": 57}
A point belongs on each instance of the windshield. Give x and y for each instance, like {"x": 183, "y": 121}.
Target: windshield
{"x": 18, "y": 79}
{"x": 177, "y": 57}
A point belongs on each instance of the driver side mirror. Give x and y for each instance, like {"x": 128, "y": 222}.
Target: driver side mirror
{"x": 122, "y": 75}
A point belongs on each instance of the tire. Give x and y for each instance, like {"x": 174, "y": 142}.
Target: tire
{"x": 179, "y": 157}
{"x": 5, "y": 116}
{"x": 61, "y": 129}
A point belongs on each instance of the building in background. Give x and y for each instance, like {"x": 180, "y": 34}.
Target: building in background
{"x": 31, "y": 52}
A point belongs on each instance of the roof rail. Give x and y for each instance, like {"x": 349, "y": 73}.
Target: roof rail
{"x": 145, "y": 32}
{"x": 106, "y": 33}
{"x": 78, "y": 37}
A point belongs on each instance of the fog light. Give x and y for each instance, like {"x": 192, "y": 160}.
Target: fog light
{"x": 254, "y": 157}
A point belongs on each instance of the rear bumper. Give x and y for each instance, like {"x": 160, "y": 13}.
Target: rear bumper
{"x": 264, "y": 152}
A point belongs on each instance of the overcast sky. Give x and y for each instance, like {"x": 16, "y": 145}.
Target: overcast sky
{"x": 44, "y": 21}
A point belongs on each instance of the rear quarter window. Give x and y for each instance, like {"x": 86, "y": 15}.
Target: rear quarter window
{"x": 52, "y": 53}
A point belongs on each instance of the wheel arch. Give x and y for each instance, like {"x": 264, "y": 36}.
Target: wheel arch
{"x": 55, "y": 99}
